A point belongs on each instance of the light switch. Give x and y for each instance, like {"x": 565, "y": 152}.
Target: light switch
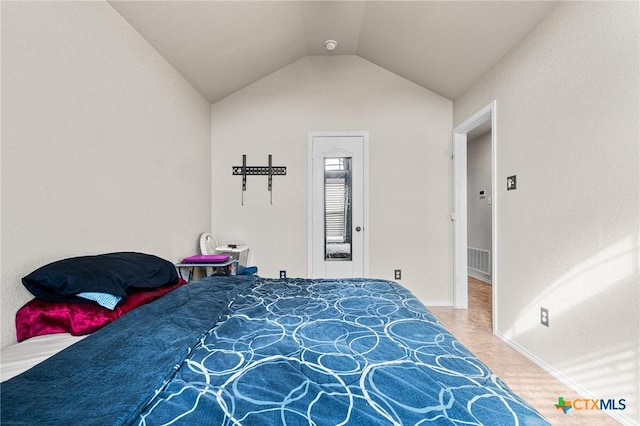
{"x": 511, "y": 183}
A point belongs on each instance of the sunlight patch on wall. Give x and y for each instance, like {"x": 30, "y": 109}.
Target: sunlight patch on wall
{"x": 589, "y": 341}
{"x": 587, "y": 280}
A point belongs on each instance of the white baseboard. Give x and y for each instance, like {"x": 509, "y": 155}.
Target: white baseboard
{"x": 564, "y": 379}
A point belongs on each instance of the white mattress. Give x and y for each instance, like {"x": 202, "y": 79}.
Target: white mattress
{"x": 20, "y": 357}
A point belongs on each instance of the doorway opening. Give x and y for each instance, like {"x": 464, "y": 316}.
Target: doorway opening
{"x": 483, "y": 259}
{"x": 479, "y": 200}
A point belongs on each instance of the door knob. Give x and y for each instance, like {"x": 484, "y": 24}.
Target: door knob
{"x": 358, "y": 229}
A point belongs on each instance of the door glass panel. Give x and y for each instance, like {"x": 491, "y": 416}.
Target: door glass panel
{"x": 337, "y": 209}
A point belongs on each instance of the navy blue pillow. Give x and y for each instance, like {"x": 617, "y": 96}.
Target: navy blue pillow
{"x": 112, "y": 273}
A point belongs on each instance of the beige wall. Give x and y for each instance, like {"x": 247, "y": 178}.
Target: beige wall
{"x": 105, "y": 147}
{"x": 409, "y": 169}
{"x": 567, "y": 126}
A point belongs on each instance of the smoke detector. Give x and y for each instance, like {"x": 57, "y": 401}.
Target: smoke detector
{"x": 330, "y": 45}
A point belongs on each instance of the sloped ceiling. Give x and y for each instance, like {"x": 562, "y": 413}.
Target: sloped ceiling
{"x": 223, "y": 46}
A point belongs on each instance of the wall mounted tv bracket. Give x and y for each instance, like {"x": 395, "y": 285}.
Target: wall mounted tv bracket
{"x": 269, "y": 171}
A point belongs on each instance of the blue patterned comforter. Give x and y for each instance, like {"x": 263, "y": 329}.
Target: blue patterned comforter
{"x": 263, "y": 352}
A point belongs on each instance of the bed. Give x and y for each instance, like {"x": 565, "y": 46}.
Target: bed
{"x": 247, "y": 350}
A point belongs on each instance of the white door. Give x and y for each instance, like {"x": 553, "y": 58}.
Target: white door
{"x": 337, "y": 206}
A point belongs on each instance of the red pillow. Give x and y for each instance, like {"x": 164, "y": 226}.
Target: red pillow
{"x": 40, "y": 317}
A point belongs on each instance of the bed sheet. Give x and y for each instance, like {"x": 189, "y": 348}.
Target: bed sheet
{"x": 18, "y": 358}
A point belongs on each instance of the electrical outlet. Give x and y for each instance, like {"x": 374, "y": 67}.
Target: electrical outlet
{"x": 511, "y": 183}
{"x": 283, "y": 274}
{"x": 544, "y": 317}
{"x": 397, "y": 274}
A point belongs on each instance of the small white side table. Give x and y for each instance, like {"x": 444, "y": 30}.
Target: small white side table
{"x": 230, "y": 267}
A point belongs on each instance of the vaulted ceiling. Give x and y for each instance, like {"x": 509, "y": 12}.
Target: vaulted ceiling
{"x": 223, "y": 46}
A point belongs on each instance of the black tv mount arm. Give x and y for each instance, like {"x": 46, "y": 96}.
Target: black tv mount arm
{"x": 269, "y": 171}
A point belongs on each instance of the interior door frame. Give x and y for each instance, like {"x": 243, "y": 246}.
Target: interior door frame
{"x": 365, "y": 168}
{"x": 460, "y": 265}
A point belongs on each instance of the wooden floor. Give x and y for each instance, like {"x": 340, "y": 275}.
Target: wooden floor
{"x": 473, "y": 328}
